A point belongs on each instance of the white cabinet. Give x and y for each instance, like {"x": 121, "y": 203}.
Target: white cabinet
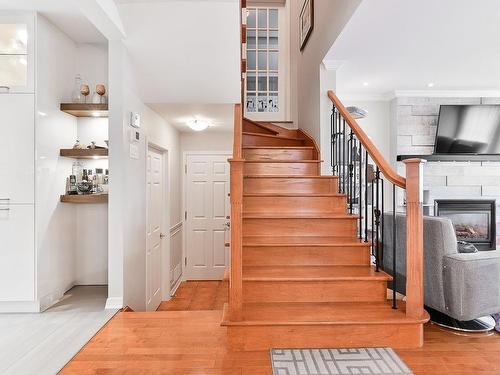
{"x": 17, "y": 45}
{"x": 17, "y": 253}
{"x": 17, "y": 145}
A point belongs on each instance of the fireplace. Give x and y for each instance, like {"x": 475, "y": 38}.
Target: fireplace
{"x": 474, "y": 220}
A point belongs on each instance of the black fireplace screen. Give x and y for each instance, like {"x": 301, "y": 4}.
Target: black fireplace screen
{"x": 473, "y": 220}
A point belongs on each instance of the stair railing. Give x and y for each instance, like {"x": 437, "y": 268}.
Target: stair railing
{"x": 236, "y": 189}
{"x": 362, "y": 172}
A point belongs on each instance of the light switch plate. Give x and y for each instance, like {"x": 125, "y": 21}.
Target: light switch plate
{"x": 135, "y": 119}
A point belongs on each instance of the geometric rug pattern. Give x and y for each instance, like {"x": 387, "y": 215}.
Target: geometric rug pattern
{"x": 380, "y": 361}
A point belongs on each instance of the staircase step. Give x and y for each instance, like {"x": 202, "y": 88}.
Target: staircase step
{"x": 258, "y": 139}
{"x": 250, "y": 126}
{"x": 278, "y": 153}
{"x": 280, "y": 240}
{"x": 290, "y": 184}
{"x": 314, "y": 284}
{"x": 303, "y": 225}
{"x": 333, "y": 255}
{"x": 295, "y": 202}
{"x": 282, "y": 167}
{"x": 323, "y": 325}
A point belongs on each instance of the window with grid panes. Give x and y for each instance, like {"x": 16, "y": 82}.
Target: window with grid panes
{"x": 262, "y": 60}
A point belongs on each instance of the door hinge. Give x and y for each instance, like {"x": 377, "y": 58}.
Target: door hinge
{"x": 185, "y": 261}
{"x": 185, "y": 215}
{"x": 185, "y": 168}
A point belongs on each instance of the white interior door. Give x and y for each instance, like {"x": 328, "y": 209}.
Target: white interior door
{"x": 207, "y": 203}
{"x": 155, "y": 207}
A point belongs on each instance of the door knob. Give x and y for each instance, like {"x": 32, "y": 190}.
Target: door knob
{"x": 162, "y": 236}
{"x": 227, "y": 225}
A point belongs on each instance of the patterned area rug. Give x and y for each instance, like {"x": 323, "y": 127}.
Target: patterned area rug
{"x": 361, "y": 361}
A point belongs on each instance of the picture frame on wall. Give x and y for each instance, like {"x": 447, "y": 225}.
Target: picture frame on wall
{"x": 306, "y": 22}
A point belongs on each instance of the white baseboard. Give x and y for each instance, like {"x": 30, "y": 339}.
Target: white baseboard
{"x": 52, "y": 298}
{"x": 19, "y": 307}
{"x": 174, "y": 289}
{"x": 113, "y": 303}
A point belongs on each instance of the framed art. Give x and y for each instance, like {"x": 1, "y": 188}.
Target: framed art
{"x": 306, "y": 22}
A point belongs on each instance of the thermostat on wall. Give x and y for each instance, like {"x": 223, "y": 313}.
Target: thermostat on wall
{"x": 135, "y": 119}
{"x": 134, "y": 136}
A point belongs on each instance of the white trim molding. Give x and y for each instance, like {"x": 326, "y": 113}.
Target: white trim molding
{"x": 113, "y": 303}
{"x": 447, "y": 93}
{"x": 19, "y": 307}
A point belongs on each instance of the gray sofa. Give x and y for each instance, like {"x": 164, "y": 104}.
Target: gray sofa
{"x": 464, "y": 286}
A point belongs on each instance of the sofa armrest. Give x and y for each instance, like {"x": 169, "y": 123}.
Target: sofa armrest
{"x": 472, "y": 284}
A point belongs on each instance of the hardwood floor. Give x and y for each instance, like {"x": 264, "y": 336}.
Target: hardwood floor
{"x": 193, "y": 342}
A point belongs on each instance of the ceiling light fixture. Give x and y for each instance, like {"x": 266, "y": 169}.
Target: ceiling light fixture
{"x": 198, "y": 125}
{"x": 365, "y": 84}
{"x": 430, "y": 84}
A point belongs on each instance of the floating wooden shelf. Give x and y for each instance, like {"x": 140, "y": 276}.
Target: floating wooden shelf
{"x": 85, "y": 109}
{"x": 88, "y": 198}
{"x": 85, "y": 153}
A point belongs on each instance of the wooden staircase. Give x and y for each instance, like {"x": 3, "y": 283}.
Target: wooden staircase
{"x": 301, "y": 276}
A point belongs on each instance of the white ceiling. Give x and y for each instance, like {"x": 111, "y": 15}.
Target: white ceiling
{"x": 62, "y": 13}
{"x": 184, "y": 51}
{"x": 220, "y": 116}
{"x": 405, "y": 45}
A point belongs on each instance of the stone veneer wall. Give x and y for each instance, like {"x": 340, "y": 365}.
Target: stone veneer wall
{"x": 413, "y": 131}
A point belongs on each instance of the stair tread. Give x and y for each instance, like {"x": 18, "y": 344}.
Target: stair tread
{"x": 287, "y": 176}
{"x": 294, "y": 195}
{"x": 323, "y": 313}
{"x": 313, "y": 273}
{"x": 273, "y": 136}
{"x": 302, "y": 241}
{"x": 283, "y": 161}
{"x": 279, "y": 147}
{"x": 297, "y": 215}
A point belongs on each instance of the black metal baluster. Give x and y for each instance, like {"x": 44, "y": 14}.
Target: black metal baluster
{"x": 373, "y": 215}
{"x": 350, "y": 169}
{"x": 366, "y": 196}
{"x": 344, "y": 157}
{"x": 377, "y": 220}
{"x": 394, "y": 273}
{"x": 360, "y": 199}
{"x": 382, "y": 244}
{"x": 332, "y": 140}
{"x": 339, "y": 151}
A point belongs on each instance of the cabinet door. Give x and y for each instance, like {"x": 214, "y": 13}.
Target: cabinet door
{"x": 17, "y": 148}
{"x": 17, "y": 253}
{"x": 17, "y": 41}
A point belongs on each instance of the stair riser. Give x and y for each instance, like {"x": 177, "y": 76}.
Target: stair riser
{"x": 255, "y": 140}
{"x": 300, "y": 227}
{"x": 335, "y": 204}
{"x": 294, "y": 169}
{"x": 397, "y": 336}
{"x": 278, "y": 154}
{"x": 306, "y": 256}
{"x": 291, "y": 185}
{"x": 252, "y": 128}
{"x": 315, "y": 291}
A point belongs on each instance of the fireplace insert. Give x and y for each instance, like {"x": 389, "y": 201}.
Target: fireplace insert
{"x": 473, "y": 220}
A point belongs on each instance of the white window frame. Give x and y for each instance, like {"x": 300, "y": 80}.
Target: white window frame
{"x": 283, "y": 113}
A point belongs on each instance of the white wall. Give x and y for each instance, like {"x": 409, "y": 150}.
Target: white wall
{"x": 330, "y": 18}
{"x": 206, "y": 141}
{"x": 55, "y": 221}
{"x": 127, "y": 200}
{"x": 92, "y": 64}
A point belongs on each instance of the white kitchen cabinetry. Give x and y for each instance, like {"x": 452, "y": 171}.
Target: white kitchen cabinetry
{"x": 17, "y": 253}
{"x": 17, "y": 52}
{"x": 17, "y": 145}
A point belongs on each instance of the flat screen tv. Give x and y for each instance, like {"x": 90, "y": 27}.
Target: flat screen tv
{"x": 468, "y": 129}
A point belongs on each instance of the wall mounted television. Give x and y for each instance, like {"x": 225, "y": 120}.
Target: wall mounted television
{"x": 468, "y": 129}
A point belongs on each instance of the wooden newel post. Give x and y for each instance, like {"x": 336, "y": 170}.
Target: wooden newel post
{"x": 414, "y": 238}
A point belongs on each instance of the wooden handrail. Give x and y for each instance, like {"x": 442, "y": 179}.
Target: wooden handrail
{"x": 238, "y": 130}
{"x": 373, "y": 151}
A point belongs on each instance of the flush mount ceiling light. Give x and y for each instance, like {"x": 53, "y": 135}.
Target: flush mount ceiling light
{"x": 430, "y": 84}
{"x": 365, "y": 84}
{"x": 198, "y": 125}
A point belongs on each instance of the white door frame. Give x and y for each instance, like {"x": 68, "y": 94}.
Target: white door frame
{"x": 185, "y": 155}
{"x": 165, "y": 246}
